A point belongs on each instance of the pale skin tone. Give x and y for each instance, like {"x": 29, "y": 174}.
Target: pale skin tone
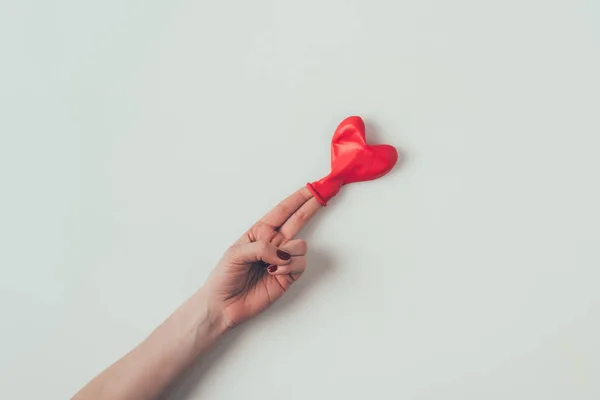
{"x": 253, "y": 273}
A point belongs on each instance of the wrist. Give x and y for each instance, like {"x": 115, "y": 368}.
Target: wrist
{"x": 192, "y": 328}
{"x": 210, "y": 322}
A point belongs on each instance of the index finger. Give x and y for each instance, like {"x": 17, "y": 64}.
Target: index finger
{"x": 282, "y": 211}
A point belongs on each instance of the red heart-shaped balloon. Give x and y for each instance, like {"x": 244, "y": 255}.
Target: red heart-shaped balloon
{"x": 352, "y": 160}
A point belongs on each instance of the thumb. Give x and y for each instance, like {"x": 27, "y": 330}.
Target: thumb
{"x": 260, "y": 251}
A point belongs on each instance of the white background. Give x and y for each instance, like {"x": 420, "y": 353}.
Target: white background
{"x": 140, "y": 138}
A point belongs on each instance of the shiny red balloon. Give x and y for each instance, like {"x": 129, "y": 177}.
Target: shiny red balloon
{"x": 352, "y": 160}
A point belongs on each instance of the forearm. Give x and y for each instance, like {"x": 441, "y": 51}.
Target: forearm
{"x": 149, "y": 368}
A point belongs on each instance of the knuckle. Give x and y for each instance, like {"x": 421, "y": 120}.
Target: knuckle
{"x": 233, "y": 249}
{"x": 233, "y": 252}
{"x": 303, "y": 246}
{"x": 278, "y": 240}
{"x": 302, "y": 215}
{"x": 285, "y": 209}
{"x": 262, "y": 246}
{"x": 263, "y": 231}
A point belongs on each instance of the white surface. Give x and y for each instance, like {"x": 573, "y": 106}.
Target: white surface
{"x": 140, "y": 138}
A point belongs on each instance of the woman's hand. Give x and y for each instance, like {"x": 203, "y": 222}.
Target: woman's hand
{"x": 263, "y": 263}
{"x": 252, "y": 274}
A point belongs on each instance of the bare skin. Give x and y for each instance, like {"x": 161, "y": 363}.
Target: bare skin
{"x": 253, "y": 273}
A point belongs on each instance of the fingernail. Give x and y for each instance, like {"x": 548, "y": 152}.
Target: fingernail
{"x": 284, "y": 255}
{"x": 272, "y": 268}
